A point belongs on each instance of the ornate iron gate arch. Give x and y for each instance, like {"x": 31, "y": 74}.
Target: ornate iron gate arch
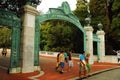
{"x": 63, "y": 13}
{"x": 10, "y": 19}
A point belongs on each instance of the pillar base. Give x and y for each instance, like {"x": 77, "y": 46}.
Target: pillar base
{"x": 15, "y": 70}
{"x": 37, "y": 68}
{"x": 18, "y": 69}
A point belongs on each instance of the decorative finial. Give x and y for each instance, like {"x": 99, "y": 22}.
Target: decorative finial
{"x": 88, "y": 21}
{"x": 100, "y": 26}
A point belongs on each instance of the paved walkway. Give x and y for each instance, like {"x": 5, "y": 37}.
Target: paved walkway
{"x": 48, "y": 66}
{"x": 107, "y": 75}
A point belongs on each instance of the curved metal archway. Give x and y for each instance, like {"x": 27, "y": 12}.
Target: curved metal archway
{"x": 62, "y": 13}
{"x": 10, "y": 19}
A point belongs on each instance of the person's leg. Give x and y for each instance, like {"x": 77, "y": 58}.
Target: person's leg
{"x": 88, "y": 69}
{"x": 71, "y": 65}
{"x": 80, "y": 71}
{"x": 61, "y": 67}
{"x": 57, "y": 65}
{"x": 68, "y": 69}
{"x": 80, "y": 75}
{"x": 85, "y": 73}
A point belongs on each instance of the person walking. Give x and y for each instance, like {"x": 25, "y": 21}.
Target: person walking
{"x": 70, "y": 62}
{"x": 118, "y": 56}
{"x": 83, "y": 67}
{"x": 88, "y": 64}
{"x": 61, "y": 62}
{"x": 4, "y": 51}
{"x": 66, "y": 56}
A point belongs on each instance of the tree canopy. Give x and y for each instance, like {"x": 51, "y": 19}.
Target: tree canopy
{"x": 16, "y": 5}
{"x": 5, "y": 37}
{"x": 59, "y": 35}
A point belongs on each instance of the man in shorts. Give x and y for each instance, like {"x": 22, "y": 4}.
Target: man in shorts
{"x": 61, "y": 61}
{"x": 70, "y": 62}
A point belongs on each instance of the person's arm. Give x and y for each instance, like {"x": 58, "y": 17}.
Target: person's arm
{"x": 82, "y": 62}
{"x": 58, "y": 57}
{"x": 115, "y": 51}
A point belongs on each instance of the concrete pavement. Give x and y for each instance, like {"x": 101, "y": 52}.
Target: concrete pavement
{"x": 113, "y": 74}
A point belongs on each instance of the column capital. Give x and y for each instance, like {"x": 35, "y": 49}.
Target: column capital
{"x": 100, "y": 32}
{"x": 31, "y": 10}
{"x": 88, "y": 28}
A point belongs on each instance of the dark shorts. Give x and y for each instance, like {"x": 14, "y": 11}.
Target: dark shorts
{"x": 62, "y": 64}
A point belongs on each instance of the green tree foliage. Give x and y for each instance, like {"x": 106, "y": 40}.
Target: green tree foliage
{"x": 81, "y": 11}
{"x": 59, "y": 35}
{"x": 108, "y": 13}
{"x": 115, "y": 25}
{"x": 98, "y": 13}
{"x": 55, "y": 36}
{"x": 16, "y": 5}
{"x": 116, "y": 19}
{"x": 5, "y": 35}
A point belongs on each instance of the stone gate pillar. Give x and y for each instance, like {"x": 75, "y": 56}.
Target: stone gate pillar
{"x": 89, "y": 42}
{"x": 27, "y": 39}
{"x": 101, "y": 34}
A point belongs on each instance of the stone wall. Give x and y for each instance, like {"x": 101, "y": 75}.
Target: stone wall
{"x": 107, "y": 58}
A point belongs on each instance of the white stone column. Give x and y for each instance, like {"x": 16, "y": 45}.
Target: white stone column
{"x": 89, "y": 42}
{"x": 101, "y": 34}
{"x": 27, "y": 39}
